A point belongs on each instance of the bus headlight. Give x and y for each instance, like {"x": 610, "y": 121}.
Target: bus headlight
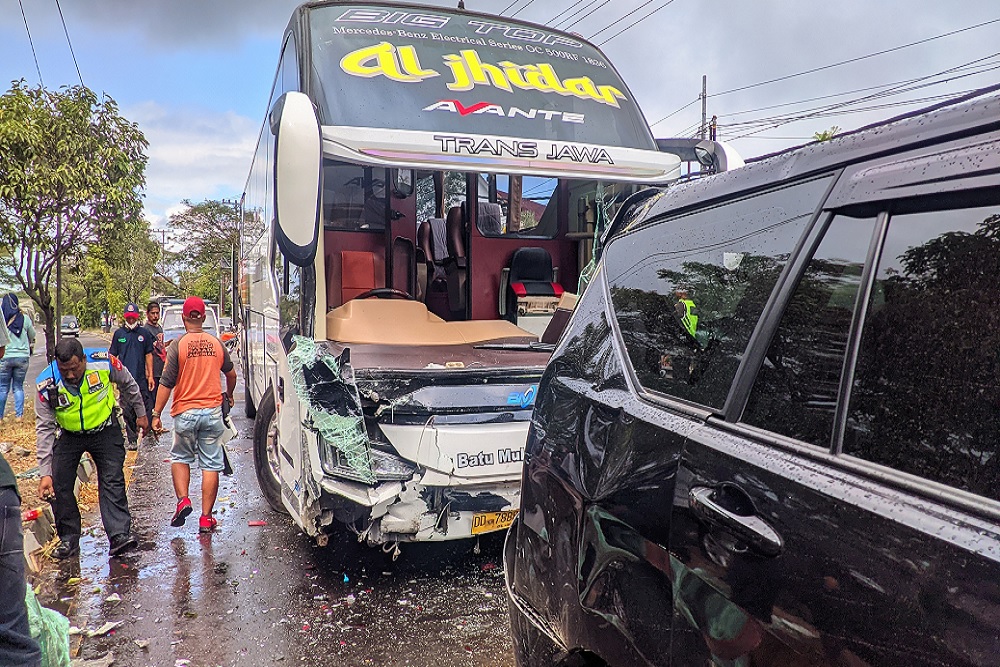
{"x": 386, "y": 466}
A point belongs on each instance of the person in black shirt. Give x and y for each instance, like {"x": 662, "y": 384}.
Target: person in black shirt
{"x": 133, "y": 345}
{"x": 17, "y": 648}
{"x": 152, "y": 325}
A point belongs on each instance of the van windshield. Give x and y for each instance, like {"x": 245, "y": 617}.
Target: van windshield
{"x": 172, "y": 320}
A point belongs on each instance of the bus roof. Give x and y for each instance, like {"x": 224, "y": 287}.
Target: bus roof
{"x": 427, "y": 87}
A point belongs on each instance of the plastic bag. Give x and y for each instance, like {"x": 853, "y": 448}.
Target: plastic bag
{"x": 50, "y": 629}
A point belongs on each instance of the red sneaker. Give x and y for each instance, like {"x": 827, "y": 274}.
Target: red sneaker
{"x": 181, "y": 513}
{"x": 207, "y": 524}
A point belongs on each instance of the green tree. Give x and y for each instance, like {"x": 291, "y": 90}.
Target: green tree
{"x": 211, "y": 229}
{"x": 131, "y": 256}
{"x": 71, "y": 170}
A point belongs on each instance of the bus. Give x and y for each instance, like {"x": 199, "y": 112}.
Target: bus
{"x": 425, "y": 193}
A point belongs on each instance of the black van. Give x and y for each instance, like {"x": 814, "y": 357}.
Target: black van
{"x": 770, "y": 434}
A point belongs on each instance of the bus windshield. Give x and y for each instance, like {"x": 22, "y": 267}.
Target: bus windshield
{"x": 440, "y": 71}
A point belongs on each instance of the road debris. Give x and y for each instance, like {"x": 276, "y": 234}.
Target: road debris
{"x": 104, "y": 629}
{"x": 106, "y": 660}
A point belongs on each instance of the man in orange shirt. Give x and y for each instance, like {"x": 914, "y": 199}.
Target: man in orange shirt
{"x": 194, "y": 362}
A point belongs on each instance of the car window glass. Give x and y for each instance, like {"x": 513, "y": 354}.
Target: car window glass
{"x": 925, "y": 393}
{"x": 688, "y": 292}
{"x": 795, "y": 393}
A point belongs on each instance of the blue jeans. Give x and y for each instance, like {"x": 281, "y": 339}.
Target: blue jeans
{"x": 17, "y": 648}
{"x": 12, "y": 372}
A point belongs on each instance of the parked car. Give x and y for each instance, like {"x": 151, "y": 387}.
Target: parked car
{"x": 769, "y": 434}
{"x": 69, "y": 326}
{"x": 173, "y": 323}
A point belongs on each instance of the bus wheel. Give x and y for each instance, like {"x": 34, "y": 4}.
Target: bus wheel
{"x": 265, "y": 452}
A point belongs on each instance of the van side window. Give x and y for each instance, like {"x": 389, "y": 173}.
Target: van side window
{"x": 926, "y": 395}
{"x": 688, "y": 291}
{"x": 795, "y": 393}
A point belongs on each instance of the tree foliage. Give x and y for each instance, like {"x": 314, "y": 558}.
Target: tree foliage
{"x": 210, "y": 230}
{"x": 71, "y": 172}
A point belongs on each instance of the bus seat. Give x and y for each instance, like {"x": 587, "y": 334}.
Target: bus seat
{"x": 531, "y": 282}
{"x": 455, "y": 264}
{"x": 490, "y": 223}
{"x": 490, "y": 219}
{"x": 359, "y": 272}
{"x": 432, "y": 239}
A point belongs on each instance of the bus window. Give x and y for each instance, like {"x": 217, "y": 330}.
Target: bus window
{"x": 593, "y": 202}
{"x": 354, "y": 197}
{"x": 288, "y": 278}
{"x": 526, "y": 207}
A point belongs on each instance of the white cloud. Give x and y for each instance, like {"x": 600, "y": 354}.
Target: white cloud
{"x": 193, "y": 154}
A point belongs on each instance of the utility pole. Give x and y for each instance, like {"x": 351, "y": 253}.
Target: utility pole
{"x": 58, "y": 322}
{"x": 704, "y": 104}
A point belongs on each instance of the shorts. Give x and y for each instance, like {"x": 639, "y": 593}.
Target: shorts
{"x": 198, "y": 434}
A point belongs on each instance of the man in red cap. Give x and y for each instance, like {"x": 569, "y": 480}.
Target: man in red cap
{"x": 133, "y": 345}
{"x": 194, "y": 362}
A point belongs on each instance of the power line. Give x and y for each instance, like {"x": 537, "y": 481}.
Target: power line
{"x": 65, "y": 30}
{"x": 567, "y": 20}
{"x": 621, "y": 18}
{"x": 33, "y": 54}
{"x": 853, "y": 60}
{"x": 697, "y": 99}
{"x": 904, "y": 87}
{"x": 844, "y": 112}
{"x": 575, "y": 4}
{"x": 632, "y": 25}
{"x": 587, "y": 15}
{"x": 922, "y": 100}
{"x": 504, "y": 10}
{"x": 522, "y": 8}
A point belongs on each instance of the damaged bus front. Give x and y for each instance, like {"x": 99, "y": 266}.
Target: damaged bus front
{"x": 423, "y": 200}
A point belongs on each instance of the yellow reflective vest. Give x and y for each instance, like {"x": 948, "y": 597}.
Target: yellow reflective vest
{"x": 93, "y": 406}
{"x": 690, "y": 319}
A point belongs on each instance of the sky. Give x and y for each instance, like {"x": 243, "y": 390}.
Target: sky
{"x": 195, "y": 75}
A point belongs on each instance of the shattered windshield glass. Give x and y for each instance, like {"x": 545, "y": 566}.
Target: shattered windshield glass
{"x": 326, "y": 384}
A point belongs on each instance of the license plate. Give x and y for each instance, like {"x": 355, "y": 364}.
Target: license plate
{"x": 487, "y": 522}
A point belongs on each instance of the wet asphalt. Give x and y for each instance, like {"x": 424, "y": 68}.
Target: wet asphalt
{"x": 266, "y": 595}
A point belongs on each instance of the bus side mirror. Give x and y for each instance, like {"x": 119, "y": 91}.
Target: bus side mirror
{"x": 298, "y": 150}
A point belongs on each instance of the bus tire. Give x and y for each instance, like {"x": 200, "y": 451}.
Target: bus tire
{"x": 265, "y": 452}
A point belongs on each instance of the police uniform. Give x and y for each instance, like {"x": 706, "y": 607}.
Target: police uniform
{"x": 71, "y": 420}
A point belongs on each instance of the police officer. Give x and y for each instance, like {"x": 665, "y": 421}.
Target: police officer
{"x": 75, "y": 396}
{"x": 686, "y": 311}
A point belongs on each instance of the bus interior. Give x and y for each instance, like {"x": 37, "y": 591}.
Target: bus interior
{"x": 466, "y": 246}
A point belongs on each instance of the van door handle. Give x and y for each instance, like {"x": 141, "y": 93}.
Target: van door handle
{"x": 729, "y": 507}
